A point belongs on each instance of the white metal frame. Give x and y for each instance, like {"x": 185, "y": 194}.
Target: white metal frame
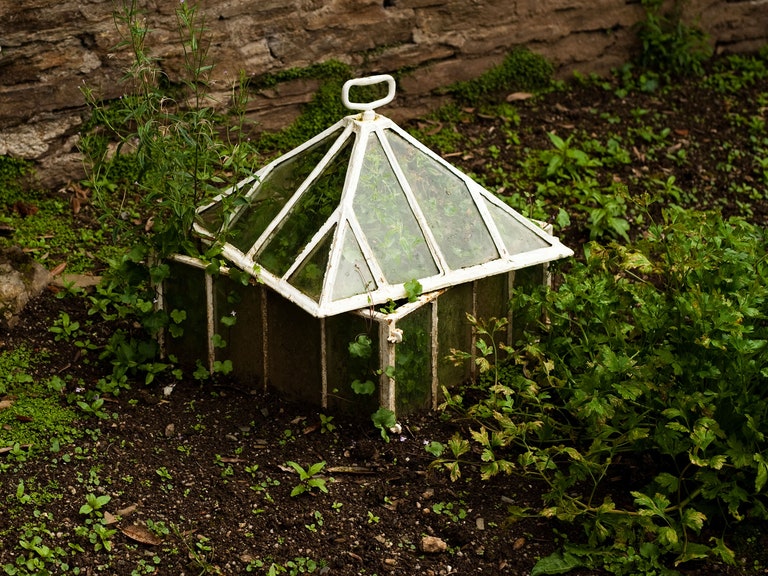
{"x": 362, "y": 125}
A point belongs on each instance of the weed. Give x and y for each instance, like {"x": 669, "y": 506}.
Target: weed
{"x": 95, "y": 528}
{"x": 520, "y": 70}
{"x": 65, "y": 328}
{"x": 660, "y": 324}
{"x": 309, "y": 479}
{"x": 326, "y": 424}
{"x": 668, "y": 45}
{"x": 385, "y": 421}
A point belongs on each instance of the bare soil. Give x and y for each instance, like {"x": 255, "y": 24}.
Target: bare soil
{"x": 209, "y": 461}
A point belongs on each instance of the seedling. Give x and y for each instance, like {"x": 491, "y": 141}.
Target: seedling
{"x": 308, "y": 479}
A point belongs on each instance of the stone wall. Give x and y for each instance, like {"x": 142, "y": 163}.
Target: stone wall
{"x": 49, "y": 50}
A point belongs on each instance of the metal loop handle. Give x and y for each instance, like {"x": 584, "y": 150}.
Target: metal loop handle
{"x": 367, "y": 81}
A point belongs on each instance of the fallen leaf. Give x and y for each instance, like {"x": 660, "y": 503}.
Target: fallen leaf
{"x": 141, "y": 534}
{"x": 22, "y": 418}
{"x": 127, "y": 511}
{"x": 311, "y": 428}
{"x": 516, "y": 96}
{"x": 5, "y": 404}
{"x": 110, "y": 518}
{"x": 58, "y": 269}
{"x": 231, "y": 460}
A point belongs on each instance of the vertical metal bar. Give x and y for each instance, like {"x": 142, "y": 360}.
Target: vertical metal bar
{"x": 264, "y": 336}
{"x": 210, "y": 320}
{"x": 323, "y": 366}
{"x": 510, "y": 312}
{"x": 435, "y": 352}
{"x": 473, "y": 341}
{"x": 387, "y": 391}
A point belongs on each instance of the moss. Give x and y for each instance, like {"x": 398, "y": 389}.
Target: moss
{"x": 12, "y": 171}
{"x": 520, "y": 70}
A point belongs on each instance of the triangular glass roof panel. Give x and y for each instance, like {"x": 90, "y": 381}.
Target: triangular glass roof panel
{"x": 515, "y": 234}
{"x": 310, "y": 274}
{"x": 305, "y": 217}
{"x": 396, "y": 238}
{"x": 345, "y": 220}
{"x": 353, "y": 276}
{"x": 447, "y": 204}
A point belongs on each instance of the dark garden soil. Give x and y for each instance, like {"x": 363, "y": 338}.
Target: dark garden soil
{"x": 206, "y": 465}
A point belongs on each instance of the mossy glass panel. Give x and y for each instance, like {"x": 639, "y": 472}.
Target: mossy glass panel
{"x": 454, "y": 332}
{"x": 447, "y": 204}
{"x": 272, "y": 194}
{"x": 310, "y": 212}
{"x": 517, "y": 237}
{"x": 353, "y": 276}
{"x": 238, "y": 316}
{"x": 392, "y": 231}
{"x": 344, "y": 367}
{"x": 184, "y": 291}
{"x": 413, "y": 361}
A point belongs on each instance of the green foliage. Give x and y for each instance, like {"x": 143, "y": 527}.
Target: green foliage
{"x": 385, "y": 421}
{"x": 520, "y": 70}
{"x": 413, "y": 290}
{"x": 309, "y": 479}
{"x": 170, "y": 154}
{"x": 12, "y": 173}
{"x": 660, "y": 348}
{"x": 35, "y": 416}
{"x": 669, "y": 46}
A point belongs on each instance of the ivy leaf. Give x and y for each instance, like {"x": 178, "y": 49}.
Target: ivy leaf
{"x": 363, "y": 388}
{"x": 360, "y": 347}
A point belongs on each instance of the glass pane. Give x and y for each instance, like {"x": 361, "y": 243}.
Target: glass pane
{"x": 447, "y": 205}
{"x": 517, "y": 237}
{"x": 391, "y": 229}
{"x": 413, "y": 361}
{"x": 213, "y": 217}
{"x": 274, "y": 191}
{"x": 354, "y": 277}
{"x": 309, "y": 276}
{"x": 311, "y": 211}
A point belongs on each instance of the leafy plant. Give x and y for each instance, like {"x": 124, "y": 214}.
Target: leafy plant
{"x": 384, "y": 419}
{"x": 669, "y": 46}
{"x": 520, "y": 70}
{"x": 309, "y": 479}
{"x": 162, "y": 133}
{"x": 65, "y": 328}
{"x": 654, "y": 348}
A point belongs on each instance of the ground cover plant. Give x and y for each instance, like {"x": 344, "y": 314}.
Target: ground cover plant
{"x": 622, "y": 432}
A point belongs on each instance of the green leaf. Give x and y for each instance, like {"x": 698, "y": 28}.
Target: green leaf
{"x": 556, "y": 563}
{"x": 360, "y": 347}
{"x": 762, "y": 473}
{"x": 364, "y": 388}
{"x": 693, "y": 519}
